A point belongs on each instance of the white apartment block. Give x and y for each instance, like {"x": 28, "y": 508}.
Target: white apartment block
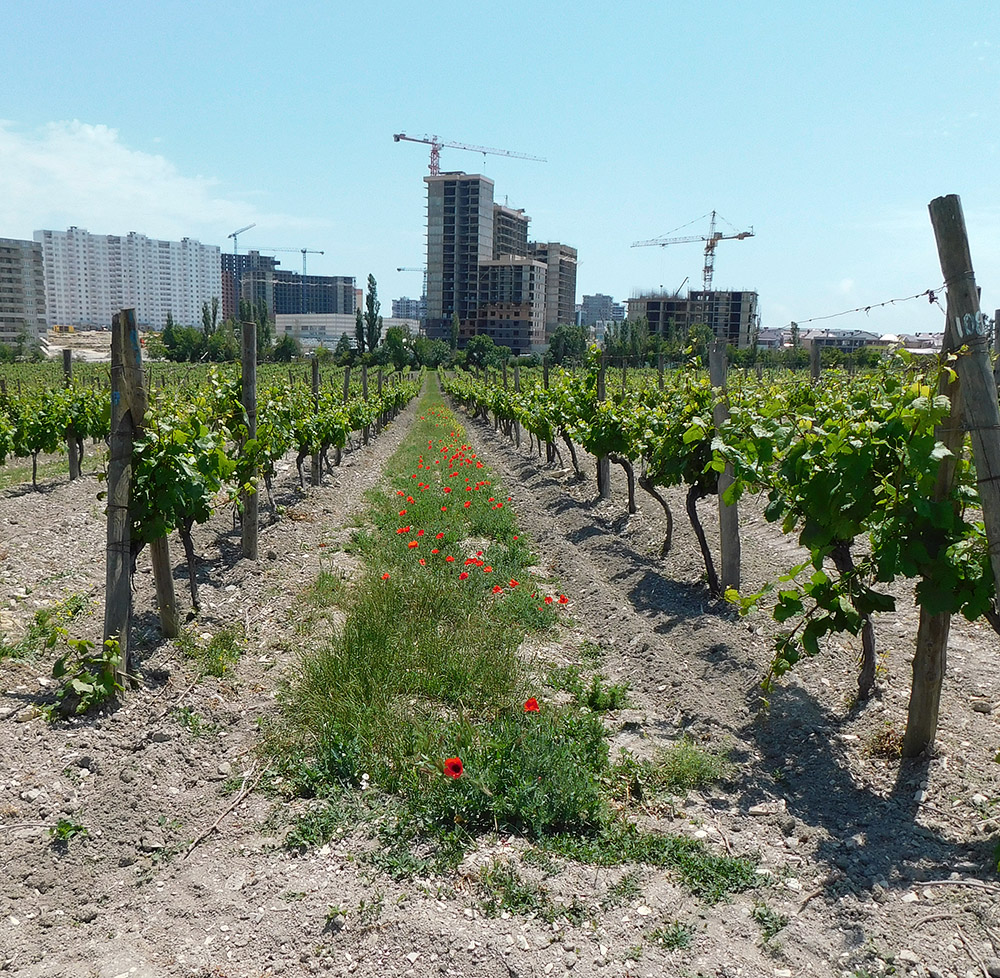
{"x": 90, "y": 277}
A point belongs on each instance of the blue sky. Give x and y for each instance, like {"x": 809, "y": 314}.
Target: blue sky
{"x": 827, "y": 127}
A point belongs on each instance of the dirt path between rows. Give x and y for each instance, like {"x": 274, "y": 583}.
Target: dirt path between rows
{"x": 865, "y": 872}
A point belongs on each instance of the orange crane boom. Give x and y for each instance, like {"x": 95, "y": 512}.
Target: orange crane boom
{"x": 436, "y": 145}
{"x": 712, "y": 239}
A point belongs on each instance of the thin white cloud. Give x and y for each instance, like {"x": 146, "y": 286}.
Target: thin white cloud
{"x": 74, "y": 173}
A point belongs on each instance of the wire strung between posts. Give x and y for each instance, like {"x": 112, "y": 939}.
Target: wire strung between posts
{"x": 929, "y": 294}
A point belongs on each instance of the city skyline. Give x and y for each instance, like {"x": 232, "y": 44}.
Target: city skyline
{"x": 826, "y": 130}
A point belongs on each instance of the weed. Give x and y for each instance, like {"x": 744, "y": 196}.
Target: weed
{"x": 674, "y": 936}
{"x": 886, "y": 743}
{"x": 601, "y": 698}
{"x": 684, "y": 766}
{"x": 64, "y": 830}
{"x": 90, "y": 678}
{"x": 506, "y": 890}
{"x": 192, "y": 721}
{"x": 216, "y": 655}
{"x": 542, "y": 861}
{"x": 369, "y": 912}
{"x": 47, "y": 626}
{"x": 627, "y": 888}
{"x": 769, "y": 921}
{"x": 634, "y": 953}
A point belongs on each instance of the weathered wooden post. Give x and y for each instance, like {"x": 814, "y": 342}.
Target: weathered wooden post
{"x": 975, "y": 403}
{"x": 128, "y": 406}
{"x": 315, "y": 472}
{"x": 814, "y": 360}
{"x": 729, "y": 520}
{"x": 659, "y": 370}
{"x": 250, "y": 500}
{"x": 72, "y": 438}
{"x": 347, "y": 382}
{"x": 517, "y": 390}
{"x": 603, "y": 462}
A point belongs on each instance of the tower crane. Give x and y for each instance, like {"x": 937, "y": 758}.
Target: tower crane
{"x": 304, "y": 252}
{"x": 436, "y": 145}
{"x": 236, "y": 234}
{"x": 713, "y": 238}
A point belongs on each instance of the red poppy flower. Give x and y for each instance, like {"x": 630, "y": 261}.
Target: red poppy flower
{"x": 487, "y": 569}
{"x": 463, "y": 576}
{"x": 444, "y": 509}
{"x": 513, "y": 583}
{"x": 402, "y": 512}
{"x": 435, "y": 551}
{"x": 449, "y": 559}
{"x": 548, "y": 600}
{"x": 409, "y": 499}
{"x": 385, "y": 576}
{"x": 422, "y": 562}
{"x": 453, "y": 768}
{"x": 531, "y": 705}
{"x": 440, "y": 536}
{"x": 467, "y": 504}
{"x": 446, "y": 489}
{"x": 412, "y": 544}
{"x": 497, "y": 589}
{"x": 420, "y": 533}
{"x": 563, "y": 599}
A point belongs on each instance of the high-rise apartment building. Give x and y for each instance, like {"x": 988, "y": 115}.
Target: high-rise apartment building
{"x": 22, "y": 291}
{"x": 732, "y": 316}
{"x": 459, "y": 238}
{"x": 233, "y": 269}
{"x": 512, "y": 302}
{"x": 600, "y": 308}
{"x": 510, "y": 231}
{"x": 406, "y": 308}
{"x": 289, "y": 293}
{"x": 560, "y": 282}
{"x": 481, "y": 266}
{"x": 90, "y": 277}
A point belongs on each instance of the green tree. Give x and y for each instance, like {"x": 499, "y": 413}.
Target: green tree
{"x": 397, "y": 347}
{"x": 210, "y": 317}
{"x": 359, "y": 332}
{"x": 373, "y": 321}
{"x": 455, "y": 327}
{"x": 344, "y": 352}
{"x": 567, "y": 345}
{"x": 794, "y": 330}
{"x": 286, "y": 349}
{"x": 430, "y": 353}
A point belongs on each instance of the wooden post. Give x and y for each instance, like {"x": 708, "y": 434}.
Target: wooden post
{"x": 814, "y": 360}
{"x": 964, "y": 327}
{"x": 128, "y": 406}
{"x": 71, "y": 436}
{"x": 364, "y": 381}
{"x": 659, "y": 370}
{"x": 380, "y": 382}
{"x": 729, "y": 520}
{"x": 347, "y": 382}
{"x": 315, "y": 474}
{"x": 603, "y": 462}
{"x": 505, "y": 375}
{"x": 163, "y": 578}
{"x": 250, "y": 500}
{"x": 517, "y": 390}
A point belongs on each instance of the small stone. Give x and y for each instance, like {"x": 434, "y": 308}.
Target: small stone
{"x": 979, "y": 800}
{"x": 87, "y": 913}
{"x": 982, "y": 706}
{"x": 127, "y": 775}
{"x": 569, "y": 961}
{"x": 910, "y": 897}
{"x": 161, "y": 736}
{"x": 907, "y": 957}
{"x": 412, "y": 957}
{"x": 225, "y": 767}
{"x": 643, "y": 911}
{"x": 993, "y": 967}
{"x": 920, "y": 795}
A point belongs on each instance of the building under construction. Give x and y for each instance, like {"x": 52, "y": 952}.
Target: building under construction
{"x": 482, "y": 268}
{"x": 731, "y": 316}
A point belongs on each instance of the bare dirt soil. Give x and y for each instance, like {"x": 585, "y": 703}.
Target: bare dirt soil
{"x": 878, "y": 867}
